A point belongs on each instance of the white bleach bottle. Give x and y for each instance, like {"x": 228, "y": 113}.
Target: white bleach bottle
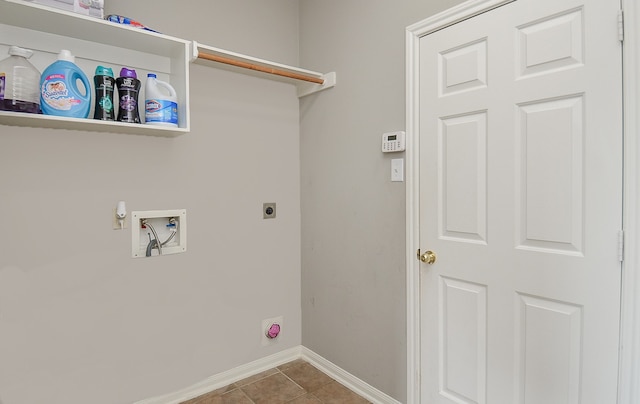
{"x": 160, "y": 105}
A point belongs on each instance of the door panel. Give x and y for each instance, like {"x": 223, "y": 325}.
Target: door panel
{"x": 551, "y": 43}
{"x": 520, "y": 139}
{"x": 463, "y": 182}
{"x": 463, "y": 68}
{"x": 464, "y": 333}
{"x": 550, "y": 180}
{"x": 549, "y": 335}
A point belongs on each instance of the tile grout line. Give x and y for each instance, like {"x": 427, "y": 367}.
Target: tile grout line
{"x": 305, "y": 392}
{"x": 276, "y": 370}
{"x": 246, "y": 395}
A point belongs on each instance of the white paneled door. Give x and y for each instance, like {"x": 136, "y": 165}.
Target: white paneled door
{"x": 520, "y": 128}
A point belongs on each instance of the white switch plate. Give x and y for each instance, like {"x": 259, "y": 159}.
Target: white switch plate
{"x": 397, "y": 170}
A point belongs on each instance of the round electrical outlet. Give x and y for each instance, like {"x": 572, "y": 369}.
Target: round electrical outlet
{"x": 269, "y": 210}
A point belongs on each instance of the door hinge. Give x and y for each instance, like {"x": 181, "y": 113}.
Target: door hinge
{"x": 620, "y": 26}
{"x": 621, "y": 245}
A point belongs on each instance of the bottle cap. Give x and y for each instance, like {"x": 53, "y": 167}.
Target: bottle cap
{"x": 104, "y": 71}
{"x": 151, "y": 75}
{"x": 130, "y": 73}
{"x": 66, "y": 55}
{"x": 17, "y": 51}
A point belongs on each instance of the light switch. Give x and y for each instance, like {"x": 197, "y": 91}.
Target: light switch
{"x": 397, "y": 170}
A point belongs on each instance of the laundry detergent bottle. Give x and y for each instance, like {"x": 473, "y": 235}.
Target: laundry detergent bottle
{"x": 105, "y": 85}
{"x": 128, "y": 89}
{"x": 64, "y": 89}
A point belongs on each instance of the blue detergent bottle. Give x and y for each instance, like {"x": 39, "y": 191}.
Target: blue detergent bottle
{"x": 60, "y": 93}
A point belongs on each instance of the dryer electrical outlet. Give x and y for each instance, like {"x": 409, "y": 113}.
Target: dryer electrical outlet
{"x": 167, "y": 226}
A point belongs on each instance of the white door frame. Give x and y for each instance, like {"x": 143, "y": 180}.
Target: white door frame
{"x": 629, "y": 374}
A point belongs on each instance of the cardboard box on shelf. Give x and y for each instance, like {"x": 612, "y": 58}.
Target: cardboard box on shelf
{"x": 94, "y": 8}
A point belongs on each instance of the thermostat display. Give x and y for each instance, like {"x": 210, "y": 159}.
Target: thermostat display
{"x": 393, "y": 142}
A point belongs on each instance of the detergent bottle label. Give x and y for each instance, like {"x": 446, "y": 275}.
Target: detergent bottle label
{"x": 2, "y": 85}
{"x": 55, "y": 93}
{"x": 128, "y": 102}
{"x": 161, "y": 111}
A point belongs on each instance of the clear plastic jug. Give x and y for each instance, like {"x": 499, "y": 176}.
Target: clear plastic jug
{"x": 19, "y": 82}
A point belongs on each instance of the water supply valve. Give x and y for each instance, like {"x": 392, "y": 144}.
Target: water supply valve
{"x": 158, "y": 232}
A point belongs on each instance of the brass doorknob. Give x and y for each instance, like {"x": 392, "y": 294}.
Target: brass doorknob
{"x": 428, "y": 257}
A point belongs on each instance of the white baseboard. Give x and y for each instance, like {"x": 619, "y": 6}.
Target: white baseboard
{"x": 241, "y": 372}
{"x": 226, "y": 378}
{"x": 347, "y": 379}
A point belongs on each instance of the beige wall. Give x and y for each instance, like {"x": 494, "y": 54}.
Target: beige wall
{"x": 353, "y": 217}
{"x": 82, "y": 322}
{"x": 79, "y": 318}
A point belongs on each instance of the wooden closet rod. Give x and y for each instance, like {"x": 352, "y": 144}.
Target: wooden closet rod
{"x": 251, "y": 66}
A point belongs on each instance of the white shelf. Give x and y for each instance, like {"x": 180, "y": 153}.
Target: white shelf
{"x": 304, "y": 88}
{"x": 90, "y": 125}
{"x": 94, "y": 42}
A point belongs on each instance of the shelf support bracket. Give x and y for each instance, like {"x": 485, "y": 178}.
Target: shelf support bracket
{"x": 305, "y": 89}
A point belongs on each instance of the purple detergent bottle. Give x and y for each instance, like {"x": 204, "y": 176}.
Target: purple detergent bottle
{"x": 128, "y": 88}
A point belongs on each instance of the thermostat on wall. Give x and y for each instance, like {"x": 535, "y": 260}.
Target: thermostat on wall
{"x": 393, "y": 142}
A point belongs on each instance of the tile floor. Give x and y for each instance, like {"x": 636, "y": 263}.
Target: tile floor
{"x": 296, "y": 382}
